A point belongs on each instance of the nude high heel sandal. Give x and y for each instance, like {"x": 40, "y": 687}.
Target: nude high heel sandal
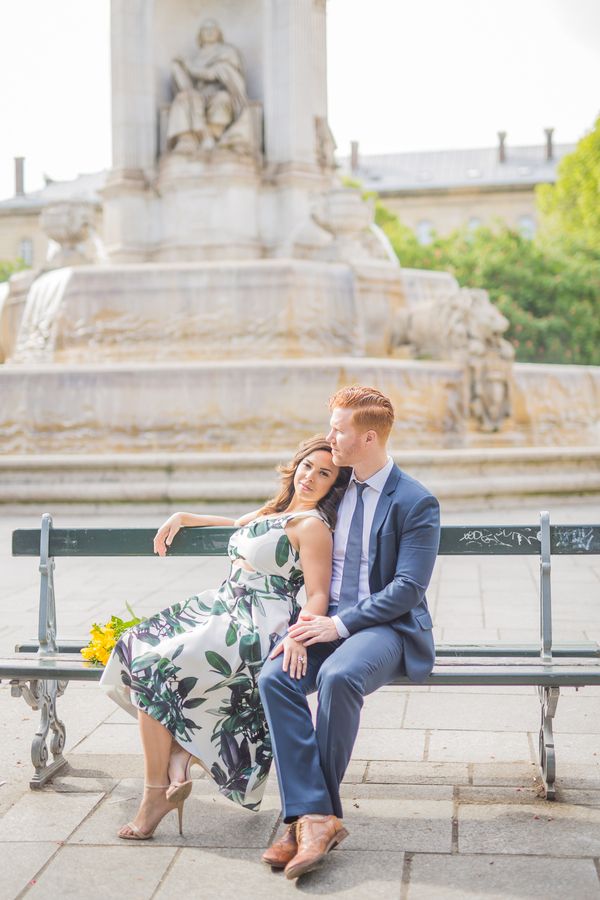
{"x": 179, "y": 791}
{"x": 138, "y": 834}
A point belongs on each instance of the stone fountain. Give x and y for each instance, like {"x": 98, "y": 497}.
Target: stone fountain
{"x": 238, "y": 284}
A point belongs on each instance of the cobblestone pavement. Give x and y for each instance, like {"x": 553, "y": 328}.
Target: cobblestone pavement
{"x": 441, "y": 797}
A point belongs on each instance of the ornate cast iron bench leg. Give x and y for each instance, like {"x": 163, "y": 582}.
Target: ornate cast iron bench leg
{"x": 42, "y": 695}
{"x": 549, "y": 700}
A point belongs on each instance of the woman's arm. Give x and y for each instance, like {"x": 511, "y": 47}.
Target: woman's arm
{"x": 314, "y": 541}
{"x": 165, "y": 534}
{"x": 315, "y": 545}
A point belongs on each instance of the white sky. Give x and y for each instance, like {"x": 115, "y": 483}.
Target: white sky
{"x": 403, "y": 75}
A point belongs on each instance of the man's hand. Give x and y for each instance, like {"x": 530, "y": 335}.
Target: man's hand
{"x": 294, "y": 656}
{"x": 311, "y": 629}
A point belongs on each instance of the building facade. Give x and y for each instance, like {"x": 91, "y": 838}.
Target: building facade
{"x": 437, "y": 191}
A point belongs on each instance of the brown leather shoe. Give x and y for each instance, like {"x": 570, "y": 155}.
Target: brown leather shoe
{"x": 316, "y": 836}
{"x": 282, "y": 851}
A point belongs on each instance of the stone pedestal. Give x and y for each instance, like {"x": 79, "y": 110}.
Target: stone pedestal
{"x": 209, "y": 208}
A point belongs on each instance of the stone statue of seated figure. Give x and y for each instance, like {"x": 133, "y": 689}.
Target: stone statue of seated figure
{"x": 210, "y": 105}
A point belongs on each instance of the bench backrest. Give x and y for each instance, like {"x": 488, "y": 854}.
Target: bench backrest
{"x": 456, "y": 540}
{"x": 543, "y": 540}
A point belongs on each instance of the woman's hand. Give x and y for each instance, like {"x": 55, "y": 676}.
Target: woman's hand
{"x": 166, "y": 533}
{"x": 294, "y": 657}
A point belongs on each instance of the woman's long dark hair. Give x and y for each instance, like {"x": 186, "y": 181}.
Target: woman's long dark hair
{"x": 327, "y": 505}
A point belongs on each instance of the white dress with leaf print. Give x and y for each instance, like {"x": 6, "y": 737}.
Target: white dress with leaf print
{"x": 194, "y": 667}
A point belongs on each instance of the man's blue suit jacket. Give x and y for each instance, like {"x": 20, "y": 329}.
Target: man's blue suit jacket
{"x": 403, "y": 547}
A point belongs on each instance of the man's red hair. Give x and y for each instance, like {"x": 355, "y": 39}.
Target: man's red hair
{"x": 371, "y": 410}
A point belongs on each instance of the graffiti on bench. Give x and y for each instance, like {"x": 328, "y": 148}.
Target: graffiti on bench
{"x": 501, "y": 537}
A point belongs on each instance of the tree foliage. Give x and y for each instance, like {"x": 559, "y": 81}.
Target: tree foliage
{"x": 570, "y": 208}
{"x": 550, "y": 295}
{"x": 9, "y": 267}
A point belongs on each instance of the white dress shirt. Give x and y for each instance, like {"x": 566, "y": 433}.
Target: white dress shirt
{"x": 371, "y": 494}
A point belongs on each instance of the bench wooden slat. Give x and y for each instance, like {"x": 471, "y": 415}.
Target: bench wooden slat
{"x": 121, "y": 542}
{"x": 58, "y": 668}
{"x": 585, "y": 650}
{"x": 509, "y": 673}
{"x": 501, "y": 540}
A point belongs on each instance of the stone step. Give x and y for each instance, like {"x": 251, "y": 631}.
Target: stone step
{"x": 161, "y": 480}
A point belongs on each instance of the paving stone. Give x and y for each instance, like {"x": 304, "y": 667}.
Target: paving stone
{"x": 392, "y": 772}
{"x": 478, "y": 746}
{"x": 540, "y": 829}
{"x": 389, "y": 743}
{"x": 453, "y": 635}
{"x": 41, "y": 816}
{"x": 576, "y": 777}
{"x": 209, "y": 820}
{"x": 77, "y": 872}
{"x": 65, "y": 783}
{"x": 577, "y": 748}
{"x": 356, "y": 875}
{"x": 383, "y": 710}
{"x": 376, "y": 791}
{"x": 500, "y": 794}
{"x": 510, "y": 689}
{"x": 355, "y": 772}
{"x": 473, "y": 713}
{"x": 580, "y": 797}
{"x": 437, "y": 877}
{"x": 25, "y": 862}
{"x": 578, "y": 714}
{"x": 104, "y": 765}
{"x": 120, "y": 738}
{"x": 511, "y": 774}
{"x": 411, "y": 825}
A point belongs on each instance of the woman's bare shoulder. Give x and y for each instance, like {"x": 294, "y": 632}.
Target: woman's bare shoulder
{"x": 310, "y": 525}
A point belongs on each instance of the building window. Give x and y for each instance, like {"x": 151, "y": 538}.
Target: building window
{"x": 26, "y": 251}
{"x": 527, "y": 227}
{"x": 474, "y": 223}
{"x": 424, "y": 232}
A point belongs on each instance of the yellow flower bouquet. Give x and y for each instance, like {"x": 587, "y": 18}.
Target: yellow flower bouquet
{"x": 104, "y": 638}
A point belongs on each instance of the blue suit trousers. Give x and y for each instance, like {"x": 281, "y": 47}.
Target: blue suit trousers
{"x": 311, "y": 760}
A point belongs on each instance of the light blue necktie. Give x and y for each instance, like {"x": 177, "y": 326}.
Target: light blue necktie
{"x": 351, "y": 571}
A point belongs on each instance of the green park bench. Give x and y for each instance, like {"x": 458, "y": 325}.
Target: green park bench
{"x": 41, "y": 670}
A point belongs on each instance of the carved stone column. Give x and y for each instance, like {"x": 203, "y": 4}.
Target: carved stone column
{"x": 128, "y": 205}
{"x": 295, "y": 98}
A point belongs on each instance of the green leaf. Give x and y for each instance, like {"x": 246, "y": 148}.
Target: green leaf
{"x": 250, "y": 648}
{"x": 231, "y": 682}
{"x": 177, "y": 652}
{"x": 217, "y": 662}
{"x": 192, "y": 704}
{"x": 231, "y": 636}
{"x": 218, "y": 608}
{"x": 186, "y": 685}
{"x": 282, "y": 551}
{"x": 144, "y": 662}
{"x": 147, "y": 638}
{"x": 258, "y": 529}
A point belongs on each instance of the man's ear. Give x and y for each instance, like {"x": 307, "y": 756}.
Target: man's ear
{"x": 370, "y": 437}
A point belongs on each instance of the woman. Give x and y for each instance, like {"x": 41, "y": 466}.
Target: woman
{"x": 189, "y": 674}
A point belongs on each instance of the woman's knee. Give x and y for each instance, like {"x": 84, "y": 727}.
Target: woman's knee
{"x": 270, "y": 677}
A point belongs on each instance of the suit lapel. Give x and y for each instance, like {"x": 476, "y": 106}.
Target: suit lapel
{"x": 383, "y": 504}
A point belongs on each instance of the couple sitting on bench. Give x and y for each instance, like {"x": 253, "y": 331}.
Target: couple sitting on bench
{"x": 221, "y": 679}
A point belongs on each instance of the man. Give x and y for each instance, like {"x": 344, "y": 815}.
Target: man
{"x": 378, "y": 626}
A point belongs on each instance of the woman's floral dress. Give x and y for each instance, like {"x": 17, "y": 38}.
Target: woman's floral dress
{"x": 194, "y": 667}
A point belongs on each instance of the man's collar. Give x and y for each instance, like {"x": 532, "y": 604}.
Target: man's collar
{"x": 378, "y": 479}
